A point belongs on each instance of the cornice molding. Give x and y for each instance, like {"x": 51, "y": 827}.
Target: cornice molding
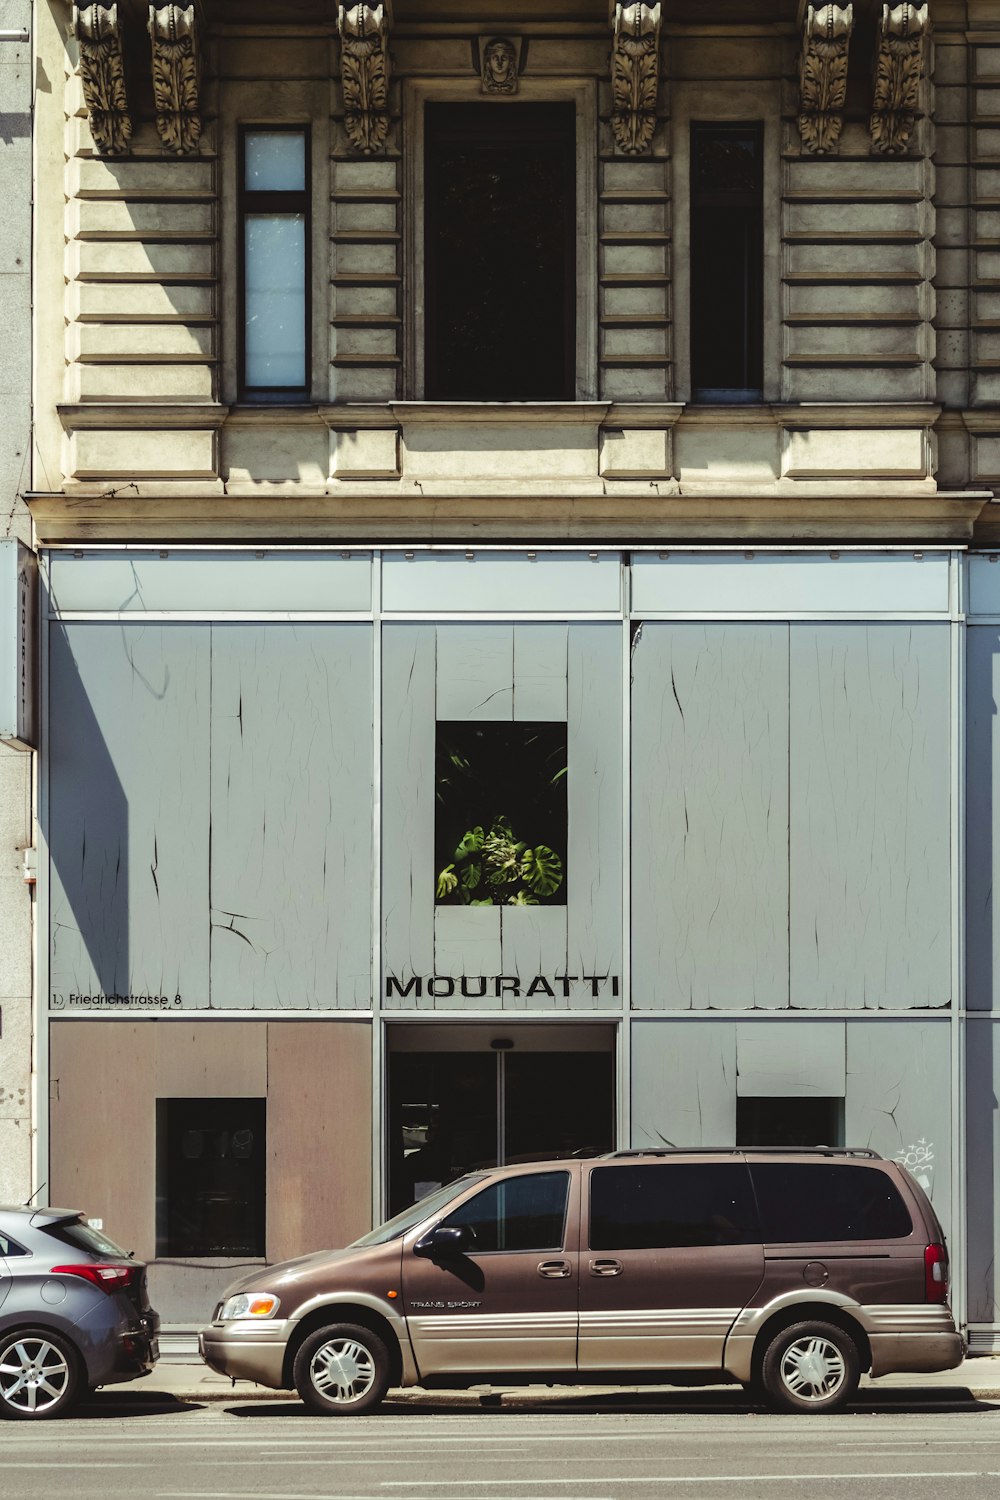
{"x": 173, "y": 33}
{"x": 899, "y": 66}
{"x": 98, "y": 31}
{"x": 826, "y": 38}
{"x": 635, "y": 75}
{"x": 364, "y": 74}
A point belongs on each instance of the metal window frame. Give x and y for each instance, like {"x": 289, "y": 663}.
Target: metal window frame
{"x": 251, "y": 203}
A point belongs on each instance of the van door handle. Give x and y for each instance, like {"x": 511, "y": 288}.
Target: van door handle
{"x": 606, "y": 1268}
{"x": 553, "y": 1268}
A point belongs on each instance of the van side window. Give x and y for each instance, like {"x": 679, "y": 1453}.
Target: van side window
{"x": 667, "y": 1207}
{"x": 521, "y": 1213}
{"x": 825, "y": 1201}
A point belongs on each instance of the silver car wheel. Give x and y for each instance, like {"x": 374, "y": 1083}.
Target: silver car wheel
{"x": 34, "y": 1375}
{"x": 813, "y": 1369}
{"x": 342, "y": 1370}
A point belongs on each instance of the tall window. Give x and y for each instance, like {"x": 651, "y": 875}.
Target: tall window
{"x": 500, "y": 281}
{"x": 210, "y": 1177}
{"x": 274, "y": 218}
{"x": 727, "y": 262}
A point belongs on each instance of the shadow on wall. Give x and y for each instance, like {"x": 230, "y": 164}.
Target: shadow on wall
{"x": 85, "y": 825}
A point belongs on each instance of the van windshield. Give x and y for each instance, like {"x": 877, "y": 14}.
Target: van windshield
{"x": 393, "y": 1228}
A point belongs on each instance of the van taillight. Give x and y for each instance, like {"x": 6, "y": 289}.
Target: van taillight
{"x": 108, "y": 1278}
{"x": 936, "y": 1273}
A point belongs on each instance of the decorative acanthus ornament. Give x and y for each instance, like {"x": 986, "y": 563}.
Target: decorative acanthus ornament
{"x": 899, "y": 67}
{"x": 635, "y": 75}
{"x": 173, "y": 31}
{"x": 97, "y": 29}
{"x": 823, "y": 75}
{"x": 364, "y": 72}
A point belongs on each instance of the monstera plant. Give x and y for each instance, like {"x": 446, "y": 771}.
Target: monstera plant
{"x": 498, "y": 869}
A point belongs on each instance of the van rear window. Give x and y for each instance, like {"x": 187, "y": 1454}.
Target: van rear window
{"x": 827, "y": 1201}
{"x": 667, "y": 1206}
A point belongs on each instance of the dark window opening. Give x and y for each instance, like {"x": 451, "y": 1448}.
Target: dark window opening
{"x": 790, "y": 1122}
{"x": 210, "y": 1177}
{"x": 524, "y": 1213}
{"x": 500, "y": 277}
{"x": 825, "y": 1201}
{"x": 500, "y": 825}
{"x": 274, "y": 356}
{"x": 671, "y": 1207}
{"x": 727, "y": 263}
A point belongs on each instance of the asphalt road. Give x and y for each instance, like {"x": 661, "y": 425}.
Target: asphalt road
{"x": 708, "y": 1445}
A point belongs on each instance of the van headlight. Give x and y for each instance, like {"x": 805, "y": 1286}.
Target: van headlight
{"x": 249, "y": 1305}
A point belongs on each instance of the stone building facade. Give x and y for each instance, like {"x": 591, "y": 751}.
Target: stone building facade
{"x": 514, "y": 496}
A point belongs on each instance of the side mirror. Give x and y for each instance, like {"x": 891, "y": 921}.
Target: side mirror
{"x": 444, "y": 1240}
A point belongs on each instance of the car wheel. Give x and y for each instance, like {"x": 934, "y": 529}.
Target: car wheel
{"x": 342, "y": 1370}
{"x": 810, "y": 1367}
{"x": 39, "y": 1375}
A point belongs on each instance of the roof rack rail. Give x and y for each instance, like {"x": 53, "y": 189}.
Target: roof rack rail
{"x": 746, "y": 1151}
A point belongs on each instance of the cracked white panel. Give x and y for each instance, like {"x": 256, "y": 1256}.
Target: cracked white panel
{"x": 683, "y": 1083}
{"x": 533, "y": 940}
{"x": 870, "y": 788}
{"x": 467, "y": 942}
{"x": 982, "y": 1081}
{"x": 408, "y": 748}
{"x": 710, "y": 816}
{"x": 800, "y": 1059}
{"x": 209, "y": 581}
{"x": 475, "y": 672}
{"x": 982, "y": 815}
{"x": 594, "y": 807}
{"x": 898, "y": 1098}
{"x": 540, "y": 673}
{"x": 291, "y": 856}
{"x": 128, "y": 811}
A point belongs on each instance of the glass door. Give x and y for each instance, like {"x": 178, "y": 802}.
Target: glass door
{"x": 463, "y": 1097}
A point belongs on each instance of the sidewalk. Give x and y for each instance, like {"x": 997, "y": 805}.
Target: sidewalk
{"x": 191, "y": 1381}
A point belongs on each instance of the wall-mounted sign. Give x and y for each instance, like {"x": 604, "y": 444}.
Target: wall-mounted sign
{"x": 496, "y": 986}
{"x": 18, "y": 633}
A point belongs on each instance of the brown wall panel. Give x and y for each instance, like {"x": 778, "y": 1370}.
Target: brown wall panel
{"x": 319, "y": 1135}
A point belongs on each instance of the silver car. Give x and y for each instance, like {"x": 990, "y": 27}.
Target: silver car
{"x": 74, "y": 1313}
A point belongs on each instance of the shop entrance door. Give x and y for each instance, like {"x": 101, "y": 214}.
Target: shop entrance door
{"x": 463, "y": 1097}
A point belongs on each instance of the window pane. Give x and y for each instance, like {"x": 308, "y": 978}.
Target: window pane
{"x": 275, "y": 162}
{"x": 789, "y": 1122}
{"x": 828, "y": 1201}
{"x": 666, "y": 1207}
{"x": 500, "y": 828}
{"x": 524, "y": 1213}
{"x": 210, "y": 1177}
{"x": 9, "y": 1248}
{"x": 275, "y": 300}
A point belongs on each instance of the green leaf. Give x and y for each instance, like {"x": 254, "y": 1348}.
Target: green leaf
{"x": 522, "y": 898}
{"x": 541, "y": 867}
{"x": 486, "y": 902}
{"x": 559, "y": 776}
{"x": 472, "y": 873}
{"x": 447, "y": 882}
{"x": 471, "y": 843}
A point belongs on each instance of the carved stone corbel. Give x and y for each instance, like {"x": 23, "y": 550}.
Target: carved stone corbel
{"x": 97, "y": 29}
{"x": 364, "y": 73}
{"x": 635, "y": 75}
{"x": 173, "y": 32}
{"x": 899, "y": 67}
{"x": 826, "y": 37}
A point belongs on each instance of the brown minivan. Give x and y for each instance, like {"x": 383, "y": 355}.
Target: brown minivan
{"x": 790, "y": 1272}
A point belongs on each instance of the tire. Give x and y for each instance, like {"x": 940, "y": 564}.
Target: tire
{"x": 810, "y": 1367}
{"x": 342, "y": 1370}
{"x": 39, "y": 1375}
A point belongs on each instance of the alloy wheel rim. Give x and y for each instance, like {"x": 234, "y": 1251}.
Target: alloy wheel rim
{"x": 342, "y": 1371}
{"x": 813, "y": 1369}
{"x": 34, "y": 1375}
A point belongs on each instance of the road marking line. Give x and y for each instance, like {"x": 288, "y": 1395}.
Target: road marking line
{"x": 743, "y": 1479}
